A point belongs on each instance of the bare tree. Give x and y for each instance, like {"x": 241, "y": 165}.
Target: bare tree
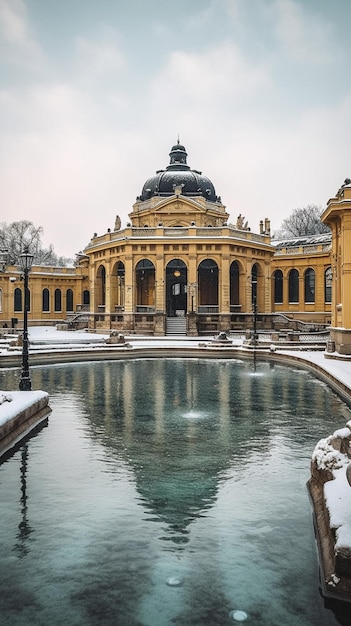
{"x": 305, "y": 221}
{"x": 16, "y": 236}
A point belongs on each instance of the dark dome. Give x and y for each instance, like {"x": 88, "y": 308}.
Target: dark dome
{"x": 178, "y": 174}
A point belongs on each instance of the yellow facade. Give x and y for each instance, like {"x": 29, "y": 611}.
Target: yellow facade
{"x": 180, "y": 258}
{"x": 305, "y": 256}
{"x": 338, "y": 217}
{"x": 131, "y": 297}
{"x": 54, "y": 293}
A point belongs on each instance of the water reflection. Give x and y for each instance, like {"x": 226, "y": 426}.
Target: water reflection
{"x": 21, "y": 546}
{"x": 165, "y": 470}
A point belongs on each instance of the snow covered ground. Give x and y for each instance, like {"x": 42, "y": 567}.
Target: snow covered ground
{"x": 48, "y": 334}
{"x": 45, "y": 338}
{"x": 41, "y": 335}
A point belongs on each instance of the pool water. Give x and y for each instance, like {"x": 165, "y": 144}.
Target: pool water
{"x": 166, "y": 492}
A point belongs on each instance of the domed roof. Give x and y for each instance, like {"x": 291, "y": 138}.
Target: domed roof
{"x": 178, "y": 176}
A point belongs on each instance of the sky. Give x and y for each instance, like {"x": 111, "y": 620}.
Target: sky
{"x": 93, "y": 94}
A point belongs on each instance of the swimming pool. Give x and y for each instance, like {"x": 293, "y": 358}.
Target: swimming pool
{"x": 166, "y": 491}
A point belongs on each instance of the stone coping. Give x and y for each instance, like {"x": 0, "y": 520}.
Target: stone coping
{"x": 200, "y": 350}
{"x": 30, "y": 408}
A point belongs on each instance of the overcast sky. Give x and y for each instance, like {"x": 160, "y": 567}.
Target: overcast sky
{"x": 93, "y": 94}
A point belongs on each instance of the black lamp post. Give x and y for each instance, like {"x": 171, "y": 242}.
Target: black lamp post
{"x": 26, "y": 260}
{"x": 254, "y": 310}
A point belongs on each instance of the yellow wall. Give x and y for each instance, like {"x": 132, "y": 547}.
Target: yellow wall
{"x": 40, "y": 278}
{"x": 301, "y": 260}
{"x": 338, "y": 217}
{"x": 192, "y": 243}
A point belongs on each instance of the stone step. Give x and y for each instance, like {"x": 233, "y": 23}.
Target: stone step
{"x": 176, "y": 326}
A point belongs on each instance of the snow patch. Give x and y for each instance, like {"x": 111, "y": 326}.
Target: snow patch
{"x": 5, "y": 397}
{"x": 326, "y": 457}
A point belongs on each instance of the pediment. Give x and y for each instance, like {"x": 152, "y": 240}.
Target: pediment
{"x": 178, "y": 209}
{"x": 183, "y": 204}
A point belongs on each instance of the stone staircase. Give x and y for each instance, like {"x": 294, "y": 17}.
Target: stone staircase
{"x": 176, "y": 326}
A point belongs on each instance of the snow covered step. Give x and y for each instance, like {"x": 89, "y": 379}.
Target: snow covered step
{"x": 176, "y": 326}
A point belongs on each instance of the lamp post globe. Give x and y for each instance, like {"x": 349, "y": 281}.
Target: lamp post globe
{"x": 26, "y": 260}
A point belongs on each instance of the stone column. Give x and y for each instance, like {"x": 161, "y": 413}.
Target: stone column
{"x": 224, "y": 296}
{"x": 108, "y": 286}
{"x": 160, "y": 284}
{"x": 160, "y": 324}
{"x": 191, "y": 326}
{"x": 129, "y": 295}
{"x": 192, "y": 284}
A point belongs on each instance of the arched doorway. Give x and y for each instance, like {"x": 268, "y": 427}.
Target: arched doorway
{"x": 234, "y": 286}
{"x": 176, "y": 288}
{"x": 208, "y": 286}
{"x": 100, "y": 287}
{"x": 145, "y": 286}
{"x": 117, "y": 287}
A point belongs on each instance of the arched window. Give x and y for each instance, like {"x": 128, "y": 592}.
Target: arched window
{"x": 58, "y": 300}
{"x": 278, "y": 286}
{"x": 234, "y": 284}
{"x": 100, "y": 287}
{"x": 310, "y": 281}
{"x": 17, "y": 295}
{"x": 86, "y": 297}
{"x": 118, "y": 285}
{"x": 69, "y": 300}
{"x": 145, "y": 285}
{"x": 328, "y": 277}
{"x": 293, "y": 286}
{"x": 46, "y": 300}
{"x": 208, "y": 283}
{"x": 121, "y": 269}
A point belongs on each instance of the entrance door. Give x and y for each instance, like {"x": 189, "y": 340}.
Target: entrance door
{"x": 176, "y": 288}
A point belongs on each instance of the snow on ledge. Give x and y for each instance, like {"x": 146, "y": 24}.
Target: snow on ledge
{"x": 334, "y": 454}
{"x": 338, "y": 500}
{"x": 13, "y": 402}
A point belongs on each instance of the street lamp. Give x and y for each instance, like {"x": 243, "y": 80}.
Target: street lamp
{"x": 26, "y": 260}
{"x": 254, "y": 310}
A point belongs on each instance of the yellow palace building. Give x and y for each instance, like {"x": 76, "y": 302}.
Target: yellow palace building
{"x": 181, "y": 266}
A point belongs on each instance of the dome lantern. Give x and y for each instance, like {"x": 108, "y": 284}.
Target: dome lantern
{"x": 178, "y": 156}
{"x": 179, "y": 175}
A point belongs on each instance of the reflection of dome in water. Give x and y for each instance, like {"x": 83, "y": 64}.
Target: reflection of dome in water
{"x": 178, "y": 175}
